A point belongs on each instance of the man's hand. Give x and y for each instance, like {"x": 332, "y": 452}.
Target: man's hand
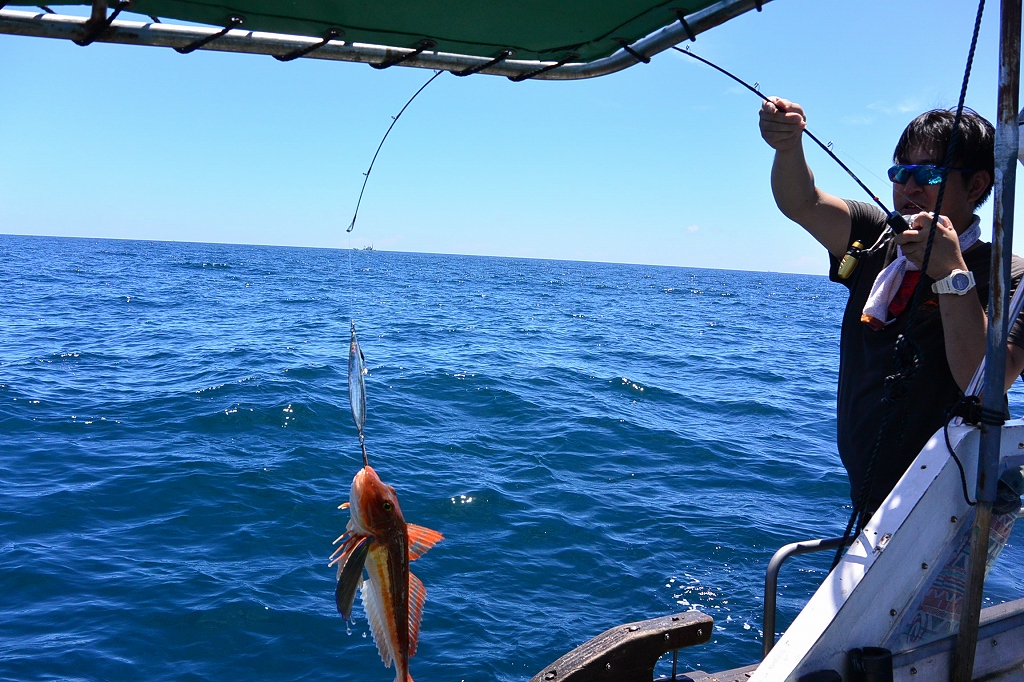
{"x": 825, "y": 217}
{"x": 782, "y": 123}
{"x": 946, "y": 256}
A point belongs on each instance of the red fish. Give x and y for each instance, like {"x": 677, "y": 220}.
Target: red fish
{"x": 378, "y": 539}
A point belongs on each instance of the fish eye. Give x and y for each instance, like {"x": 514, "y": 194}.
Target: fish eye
{"x": 387, "y": 506}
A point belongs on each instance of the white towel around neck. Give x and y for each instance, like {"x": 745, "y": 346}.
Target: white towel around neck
{"x": 888, "y": 281}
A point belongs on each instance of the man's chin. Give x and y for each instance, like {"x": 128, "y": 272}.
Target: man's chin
{"x": 912, "y": 209}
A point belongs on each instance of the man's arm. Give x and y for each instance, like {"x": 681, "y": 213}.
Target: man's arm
{"x": 964, "y": 322}
{"x": 825, "y": 217}
{"x": 965, "y": 326}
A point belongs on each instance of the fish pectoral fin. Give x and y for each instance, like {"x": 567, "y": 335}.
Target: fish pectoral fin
{"x": 345, "y": 505}
{"x": 420, "y": 540}
{"x": 417, "y": 597}
{"x": 350, "y": 577}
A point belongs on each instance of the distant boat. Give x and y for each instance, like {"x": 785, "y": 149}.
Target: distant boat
{"x": 368, "y": 248}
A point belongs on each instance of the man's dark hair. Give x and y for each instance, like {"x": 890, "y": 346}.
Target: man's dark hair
{"x": 975, "y": 149}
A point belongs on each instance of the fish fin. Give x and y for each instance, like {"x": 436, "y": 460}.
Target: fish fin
{"x": 350, "y": 577}
{"x": 417, "y": 596}
{"x": 420, "y": 540}
{"x": 346, "y": 546}
{"x": 377, "y": 619}
{"x": 345, "y": 505}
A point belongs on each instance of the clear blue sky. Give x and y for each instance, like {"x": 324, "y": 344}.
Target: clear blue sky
{"x": 659, "y": 164}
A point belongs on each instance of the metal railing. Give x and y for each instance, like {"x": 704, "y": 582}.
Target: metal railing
{"x": 771, "y": 579}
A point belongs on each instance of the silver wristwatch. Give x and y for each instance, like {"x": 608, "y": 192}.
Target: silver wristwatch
{"x": 957, "y": 282}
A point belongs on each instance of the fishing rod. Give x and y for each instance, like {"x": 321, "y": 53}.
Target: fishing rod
{"x": 394, "y": 120}
{"x": 893, "y": 218}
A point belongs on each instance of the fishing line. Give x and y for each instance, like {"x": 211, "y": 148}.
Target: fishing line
{"x": 394, "y": 120}
{"x": 867, "y": 169}
{"x": 895, "y": 220}
{"x": 356, "y": 360}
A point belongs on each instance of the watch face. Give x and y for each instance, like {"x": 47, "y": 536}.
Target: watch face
{"x": 960, "y": 281}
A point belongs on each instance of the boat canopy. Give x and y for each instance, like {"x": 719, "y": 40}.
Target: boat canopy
{"x": 576, "y": 37}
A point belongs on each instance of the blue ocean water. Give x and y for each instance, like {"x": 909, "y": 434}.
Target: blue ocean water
{"x": 598, "y": 443}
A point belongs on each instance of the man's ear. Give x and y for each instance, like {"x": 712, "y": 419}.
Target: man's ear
{"x": 978, "y": 184}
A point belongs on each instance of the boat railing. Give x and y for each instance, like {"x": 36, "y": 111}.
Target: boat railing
{"x": 771, "y": 580}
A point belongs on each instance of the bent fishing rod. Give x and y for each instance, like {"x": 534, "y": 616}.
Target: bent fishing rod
{"x": 394, "y": 120}
{"x": 893, "y": 218}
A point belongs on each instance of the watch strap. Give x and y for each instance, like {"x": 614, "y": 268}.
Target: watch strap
{"x": 945, "y": 285}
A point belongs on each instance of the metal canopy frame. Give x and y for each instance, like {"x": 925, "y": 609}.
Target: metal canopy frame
{"x": 44, "y": 25}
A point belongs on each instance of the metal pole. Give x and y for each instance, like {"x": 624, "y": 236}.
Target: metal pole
{"x": 995, "y": 355}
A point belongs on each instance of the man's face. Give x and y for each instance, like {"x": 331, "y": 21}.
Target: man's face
{"x": 957, "y": 202}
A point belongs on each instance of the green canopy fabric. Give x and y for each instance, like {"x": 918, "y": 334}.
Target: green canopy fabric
{"x": 535, "y": 29}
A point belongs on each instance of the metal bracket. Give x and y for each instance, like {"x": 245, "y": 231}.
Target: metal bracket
{"x": 388, "y": 63}
{"x": 628, "y": 653}
{"x": 234, "y": 21}
{"x": 332, "y": 34}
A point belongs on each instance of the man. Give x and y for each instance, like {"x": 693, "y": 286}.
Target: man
{"x": 949, "y": 326}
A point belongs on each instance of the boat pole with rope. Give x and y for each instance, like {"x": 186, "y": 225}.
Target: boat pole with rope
{"x": 1006, "y": 150}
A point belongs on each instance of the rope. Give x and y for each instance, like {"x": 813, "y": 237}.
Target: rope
{"x": 388, "y": 63}
{"x": 639, "y": 57}
{"x": 502, "y": 56}
{"x": 907, "y": 353}
{"x": 98, "y": 30}
{"x": 691, "y": 36}
{"x": 394, "y": 120}
{"x": 234, "y": 21}
{"x": 954, "y": 140}
{"x": 959, "y": 465}
{"x": 544, "y": 69}
{"x": 332, "y": 34}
